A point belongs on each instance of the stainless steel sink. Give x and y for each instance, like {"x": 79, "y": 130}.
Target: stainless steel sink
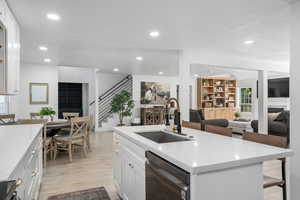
{"x": 162, "y": 137}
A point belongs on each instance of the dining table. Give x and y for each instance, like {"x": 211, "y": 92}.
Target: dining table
{"x": 54, "y": 127}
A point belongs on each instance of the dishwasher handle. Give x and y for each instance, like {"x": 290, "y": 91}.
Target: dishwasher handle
{"x": 169, "y": 177}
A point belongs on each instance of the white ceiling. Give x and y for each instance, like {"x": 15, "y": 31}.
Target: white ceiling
{"x": 202, "y": 70}
{"x": 109, "y": 34}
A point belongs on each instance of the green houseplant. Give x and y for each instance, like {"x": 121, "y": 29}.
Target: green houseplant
{"x": 122, "y": 104}
{"x": 47, "y": 111}
{"x": 237, "y": 115}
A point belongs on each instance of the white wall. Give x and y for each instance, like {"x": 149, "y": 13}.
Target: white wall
{"x": 34, "y": 74}
{"x": 295, "y": 100}
{"x": 137, "y": 79}
{"x": 250, "y": 83}
{"x": 108, "y": 80}
{"x": 78, "y": 75}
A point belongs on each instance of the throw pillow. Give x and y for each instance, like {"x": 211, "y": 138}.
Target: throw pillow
{"x": 273, "y": 116}
{"x": 284, "y": 116}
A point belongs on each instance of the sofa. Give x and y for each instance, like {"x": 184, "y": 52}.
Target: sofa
{"x": 198, "y": 117}
{"x": 278, "y": 123}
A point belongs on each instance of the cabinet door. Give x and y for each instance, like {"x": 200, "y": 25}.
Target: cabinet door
{"x": 209, "y": 113}
{"x": 133, "y": 176}
{"x": 10, "y": 65}
{"x": 128, "y": 176}
{"x": 117, "y": 166}
{"x": 140, "y": 186}
{"x": 220, "y": 113}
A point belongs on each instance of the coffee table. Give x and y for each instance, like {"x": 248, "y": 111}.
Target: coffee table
{"x": 240, "y": 126}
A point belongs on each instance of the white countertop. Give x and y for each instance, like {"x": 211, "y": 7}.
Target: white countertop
{"x": 206, "y": 152}
{"x": 14, "y": 142}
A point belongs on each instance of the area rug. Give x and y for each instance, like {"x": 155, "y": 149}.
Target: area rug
{"x": 89, "y": 194}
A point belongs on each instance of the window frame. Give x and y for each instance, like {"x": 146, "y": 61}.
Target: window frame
{"x": 246, "y": 100}
{"x": 4, "y": 105}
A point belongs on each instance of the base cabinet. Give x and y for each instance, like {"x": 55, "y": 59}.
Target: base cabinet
{"x": 129, "y": 171}
{"x": 29, "y": 171}
{"x": 218, "y": 113}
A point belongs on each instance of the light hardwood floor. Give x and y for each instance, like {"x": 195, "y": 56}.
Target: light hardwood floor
{"x": 96, "y": 170}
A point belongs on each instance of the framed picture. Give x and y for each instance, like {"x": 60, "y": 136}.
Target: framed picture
{"x": 154, "y": 93}
{"x": 39, "y": 93}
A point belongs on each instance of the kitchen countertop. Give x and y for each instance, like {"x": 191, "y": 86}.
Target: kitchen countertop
{"x": 14, "y": 142}
{"x": 206, "y": 152}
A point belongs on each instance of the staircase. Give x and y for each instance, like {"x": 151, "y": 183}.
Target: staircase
{"x": 104, "y": 109}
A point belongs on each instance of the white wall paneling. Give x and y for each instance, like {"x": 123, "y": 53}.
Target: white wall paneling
{"x": 34, "y": 74}
{"x": 263, "y": 101}
{"x": 295, "y": 100}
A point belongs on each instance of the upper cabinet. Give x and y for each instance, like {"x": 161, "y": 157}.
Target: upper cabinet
{"x": 9, "y": 52}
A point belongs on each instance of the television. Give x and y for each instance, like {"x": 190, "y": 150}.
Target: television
{"x": 279, "y": 87}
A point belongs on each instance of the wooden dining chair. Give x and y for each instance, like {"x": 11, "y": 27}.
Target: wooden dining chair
{"x": 47, "y": 141}
{"x": 7, "y": 119}
{"x": 34, "y": 115}
{"x": 218, "y": 130}
{"x": 77, "y": 137}
{"x": 192, "y": 125}
{"x": 276, "y": 141}
{"x": 69, "y": 115}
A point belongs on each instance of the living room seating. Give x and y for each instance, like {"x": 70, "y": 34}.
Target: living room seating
{"x": 197, "y": 116}
{"x": 278, "y": 123}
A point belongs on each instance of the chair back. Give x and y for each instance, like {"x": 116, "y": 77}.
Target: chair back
{"x": 219, "y": 130}
{"x": 272, "y": 140}
{"x": 79, "y": 126}
{"x": 6, "y": 119}
{"x": 69, "y": 115}
{"x": 192, "y": 125}
{"x": 35, "y": 116}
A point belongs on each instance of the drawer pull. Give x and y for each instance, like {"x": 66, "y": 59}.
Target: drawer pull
{"x": 34, "y": 173}
{"x": 19, "y": 182}
{"x": 33, "y": 152}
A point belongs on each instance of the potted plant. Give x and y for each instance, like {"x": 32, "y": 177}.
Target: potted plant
{"x": 237, "y": 115}
{"x": 122, "y": 104}
{"x": 47, "y": 111}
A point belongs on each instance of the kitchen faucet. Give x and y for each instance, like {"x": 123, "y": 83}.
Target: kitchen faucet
{"x": 177, "y": 122}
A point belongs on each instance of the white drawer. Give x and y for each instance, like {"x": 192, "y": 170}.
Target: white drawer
{"x": 139, "y": 151}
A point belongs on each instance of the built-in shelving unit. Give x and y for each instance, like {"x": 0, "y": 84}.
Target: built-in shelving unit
{"x": 217, "y": 95}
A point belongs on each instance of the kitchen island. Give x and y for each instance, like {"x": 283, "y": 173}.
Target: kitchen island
{"x": 21, "y": 153}
{"x": 219, "y": 167}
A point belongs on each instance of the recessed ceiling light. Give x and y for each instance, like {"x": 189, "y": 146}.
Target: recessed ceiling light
{"x": 43, "y": 48}
{"x": 249, "y": 42}
{"x": 139, "y": 58}
{"x": 116, "y": 69}
{"x": 196, "y": 75}
{"x": 47, "y": 60}
{"x": 160, "y": 73}
{"x": 154, "y": 34}
{"x": 53, "y": 16}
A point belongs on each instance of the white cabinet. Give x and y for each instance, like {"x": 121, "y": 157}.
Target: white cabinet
{"x": 129, "y": 169}
{"x": 10, "y": 60}
{"x": 29, "y": 171}
{"x": 116, "y": 164}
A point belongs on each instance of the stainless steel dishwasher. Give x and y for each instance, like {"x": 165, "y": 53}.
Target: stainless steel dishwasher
{"x": 165, "y": 181}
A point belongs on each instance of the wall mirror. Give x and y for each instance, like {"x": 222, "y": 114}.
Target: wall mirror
{"x": 39, "y": 93}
